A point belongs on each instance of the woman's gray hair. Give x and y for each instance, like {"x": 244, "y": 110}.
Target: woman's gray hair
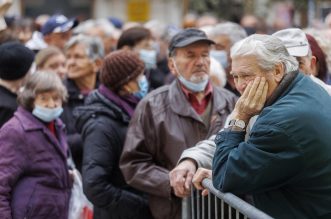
{"x": 268, "y": 50}
{"x": 39, "y": 82}
{"x": 93, "y": 45}
{"x": 233, "y": 30}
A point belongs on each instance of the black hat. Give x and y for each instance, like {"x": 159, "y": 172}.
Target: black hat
{"x": 15, "y": 60}
{"x": 187, "y": 37}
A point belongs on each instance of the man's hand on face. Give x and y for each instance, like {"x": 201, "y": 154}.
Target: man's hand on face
{"x": 200, "y": 175}
{"x": 252, "y": 100}
{"x": 181, "y": 178}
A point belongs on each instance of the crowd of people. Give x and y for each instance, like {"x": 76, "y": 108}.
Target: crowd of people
{"x": 147, "y": 111}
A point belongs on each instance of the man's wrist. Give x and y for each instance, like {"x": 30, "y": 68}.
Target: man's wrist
{"x": 188, "y": 159}
{"x": 238, "y": 116}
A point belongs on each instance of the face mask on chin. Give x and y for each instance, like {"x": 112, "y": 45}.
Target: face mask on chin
{"x": 192, "y": 86}
{"x": 47, "y": 114}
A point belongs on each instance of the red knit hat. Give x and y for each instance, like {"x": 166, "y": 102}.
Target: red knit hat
{"x": 119, "y": 68}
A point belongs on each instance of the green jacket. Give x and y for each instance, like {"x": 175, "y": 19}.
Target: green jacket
{"x": 286, "y": 163}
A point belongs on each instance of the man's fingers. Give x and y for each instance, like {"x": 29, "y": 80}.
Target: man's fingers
{"x": 199, "y": 176}
{"x": 205, "y": 192}
{"x": 247, "y": 90}
{"x": 253, "y": 89}
{"x": 188, "y": 181}
{"x": 257, "y": 98}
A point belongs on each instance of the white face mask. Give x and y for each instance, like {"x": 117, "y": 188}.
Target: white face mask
{"x": 193, "y": 86}
{"x": 148, "y": 57}
{"x": 221, "y": 56}
{"x": 47, "y": 114}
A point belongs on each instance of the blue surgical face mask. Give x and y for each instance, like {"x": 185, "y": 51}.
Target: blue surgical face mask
{"x": 221, "y": 56}
{"x": 143, "y": 87}
{"x": 148, "y": 57}
{"x": 195, "y": 87}
{"x": 47, "y": 114}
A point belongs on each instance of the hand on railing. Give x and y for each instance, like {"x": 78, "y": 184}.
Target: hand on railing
{"x": 199, "y": 176}
{"x": 181, "y": 178}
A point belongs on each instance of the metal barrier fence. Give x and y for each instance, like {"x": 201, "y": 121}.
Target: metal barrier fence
{"x": 218, "y": 205}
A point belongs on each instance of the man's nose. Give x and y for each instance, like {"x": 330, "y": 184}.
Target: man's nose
{"x": 200, "y": 60}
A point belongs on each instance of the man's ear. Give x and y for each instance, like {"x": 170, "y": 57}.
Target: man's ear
{"x": 48, "y": 39}
{"x": 313, "y": 65}
{"x": 279, "y": 72}
{"x": 97, "y": 64}
{"x": 171, "y": 66}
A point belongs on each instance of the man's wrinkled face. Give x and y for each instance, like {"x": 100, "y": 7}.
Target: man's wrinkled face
{"x": 192, "y": 62}
{"x": 245, "y": 69}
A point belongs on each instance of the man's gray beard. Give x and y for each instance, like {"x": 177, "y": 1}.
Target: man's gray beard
{"x": 197, "y": 79}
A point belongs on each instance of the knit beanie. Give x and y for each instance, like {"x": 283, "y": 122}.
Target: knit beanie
{"x": 15, "y": 60}
{"x": 119, "y": 68}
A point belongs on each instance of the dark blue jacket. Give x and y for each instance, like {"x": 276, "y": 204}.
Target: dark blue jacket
{"x": 286, "y": 162}
{"x": 34, "y": 178}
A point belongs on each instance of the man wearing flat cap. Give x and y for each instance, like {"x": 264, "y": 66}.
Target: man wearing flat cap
{"x": 173, "y": 118}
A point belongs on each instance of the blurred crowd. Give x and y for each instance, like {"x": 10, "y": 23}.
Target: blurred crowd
{"x": 115, "y": 100}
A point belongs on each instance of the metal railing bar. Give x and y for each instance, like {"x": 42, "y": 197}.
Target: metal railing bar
{"x": 235, "y": 202}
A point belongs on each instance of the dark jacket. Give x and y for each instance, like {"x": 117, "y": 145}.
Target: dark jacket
{"x": 286, "y": 162}
{"x": 163, "y": 126}
{"x": 103, "y": 126}
{"x": 75, "y": 98}
{"x": 34, "y": 178}
{"x": 8, "y": 105}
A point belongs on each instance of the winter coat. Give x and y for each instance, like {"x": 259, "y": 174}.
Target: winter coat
{"x": 8, "y": 105}
{"x": 103, "y": 127}
{"x": 34, "y": 178}
{"x": 286, "y": 162}
{"x": 75, "y": 98}
{"x": 163, "y": 126}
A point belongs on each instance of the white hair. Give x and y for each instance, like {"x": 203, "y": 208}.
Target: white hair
{"x": 269, "y": 51}
{"x": 93, "y": 45}
{"x": 233, "y": 30}
{"x": 103, "y": 23}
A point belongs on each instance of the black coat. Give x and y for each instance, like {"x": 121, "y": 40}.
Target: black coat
{"x": 8, "y": 105}
{"x": 75, "y": 99}
{"x": 103, "y": 127}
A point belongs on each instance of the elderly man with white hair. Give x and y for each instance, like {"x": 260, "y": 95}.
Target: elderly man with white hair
{"x": 285, "y": 164}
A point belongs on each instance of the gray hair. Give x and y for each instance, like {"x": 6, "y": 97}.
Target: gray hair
{"x": 93, "y": 45}
{"x": 269, "y": 51}
{"x": 39, "y": 82}
{"x": 103, "y": 23}
{"x": 233, "y": 30}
